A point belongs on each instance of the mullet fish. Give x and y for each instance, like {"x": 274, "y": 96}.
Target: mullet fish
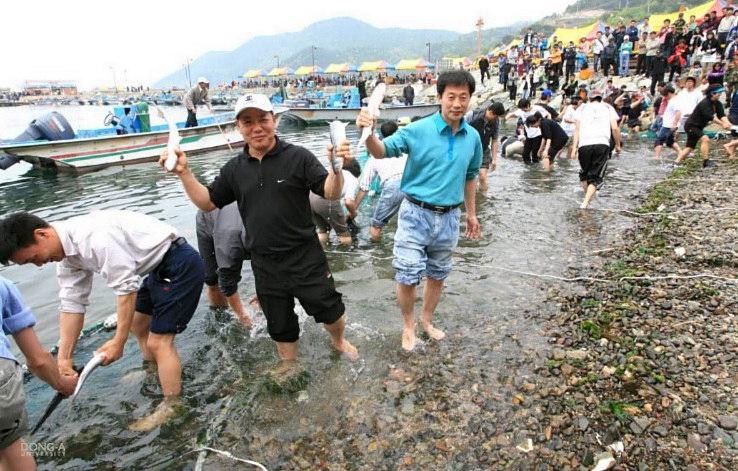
{"x": 374, "y": 101}
{"x": 338, "y": 135}
{"x": 173, "y": 142}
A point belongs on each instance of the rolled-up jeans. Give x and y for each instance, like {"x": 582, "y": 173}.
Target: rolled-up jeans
{"x": 424, "y": 243}
{"x": 624, "y": 64}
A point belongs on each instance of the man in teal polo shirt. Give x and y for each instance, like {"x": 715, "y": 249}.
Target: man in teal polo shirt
{"x": 444, "y": 155}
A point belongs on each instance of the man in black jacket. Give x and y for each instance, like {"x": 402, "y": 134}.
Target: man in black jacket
{"x": 484, "y": 67}
{"x": 658, "y": 68}
{"x": 570, "y": 57}
{"x": 409, "y": 94}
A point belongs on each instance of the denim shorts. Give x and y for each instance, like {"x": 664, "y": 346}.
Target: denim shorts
{"x": 665, "y": 137}
{"x": 424, "y": 243}
{"x": 388, "y": 204}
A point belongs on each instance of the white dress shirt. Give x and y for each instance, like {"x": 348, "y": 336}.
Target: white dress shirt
{"x": 122, "y": 246}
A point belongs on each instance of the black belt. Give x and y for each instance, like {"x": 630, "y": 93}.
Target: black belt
{"x": 432, "y": 207}
{"x": 176, "y": 243}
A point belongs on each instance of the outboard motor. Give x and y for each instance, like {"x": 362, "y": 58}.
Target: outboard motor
{"x": 49, "y": 127}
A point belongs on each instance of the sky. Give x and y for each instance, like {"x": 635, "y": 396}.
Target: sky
{"x": 135, "y": 42}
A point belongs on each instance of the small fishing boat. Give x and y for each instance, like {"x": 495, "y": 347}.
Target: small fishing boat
{"x": 87, "y": 150}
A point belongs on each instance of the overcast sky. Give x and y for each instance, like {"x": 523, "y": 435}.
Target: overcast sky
{"x": 87, "y": 41}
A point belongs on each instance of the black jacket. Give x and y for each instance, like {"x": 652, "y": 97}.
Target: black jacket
{"x": 408, "y": 92}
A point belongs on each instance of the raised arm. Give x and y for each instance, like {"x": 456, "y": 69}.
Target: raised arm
{"x": 196, "y": 191}
{"x": 373, "y": 144}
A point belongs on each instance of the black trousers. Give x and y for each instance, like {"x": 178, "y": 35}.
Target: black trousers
{"x": 530, "y": 148}
{"x": 483, "y": 73}
{"x": 641, "y": 64}
{"x": 191, "y": 119}
{"x": 655, "y": 79}
{"x": 649, "y": 65}
{"x": 607, "y": 63}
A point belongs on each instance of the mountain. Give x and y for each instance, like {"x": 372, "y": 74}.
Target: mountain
{"x": 337, "y": 40}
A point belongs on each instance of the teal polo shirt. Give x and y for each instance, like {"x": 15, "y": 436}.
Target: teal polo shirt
{"x": 439, "y": 162}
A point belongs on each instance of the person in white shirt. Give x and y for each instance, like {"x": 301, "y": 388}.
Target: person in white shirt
{"x": 532, "y": 134}
{"x": 598, "y": 45}
{"x": 329, "y": 214}
{"x": 124, "y": 248}
{"x": 689, "y": 97}
{"x": 390, "y": 173}
{"x": 671, "y": 119}
{"x": 597, "y": 123}
{"x": 568, "y": 121}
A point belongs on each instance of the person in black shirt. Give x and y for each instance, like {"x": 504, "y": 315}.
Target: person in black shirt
{"x": 484, "y": 68}
{"x": 554, "y": 138}
{"x": 487, "y": 124}
{"x": 271, "y": 180}
{"x": 361, "y": 85}
{"x": 709, "y": 110}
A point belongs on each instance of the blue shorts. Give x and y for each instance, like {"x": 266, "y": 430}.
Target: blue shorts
{"x": 424, "y": 243}
{"x": 389, "y": 203}
{"x": 665, "y": 137}
{"x": 171, "y": 291}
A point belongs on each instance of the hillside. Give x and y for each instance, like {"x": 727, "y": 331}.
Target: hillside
{"x": 337, "y": 40}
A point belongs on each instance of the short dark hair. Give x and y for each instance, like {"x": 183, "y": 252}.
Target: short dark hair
{"x": 694, "y": 80}
{"x": 574, "y": 100}
{"x": 353, "y": 167}
{"x": 667, "y": 90}
{"x": 533, "y": 119}
{"x": 388, "y": 128}
{"x": 17, "y": 232}
{"x": 497, "y": 108}
{"x": 455, "y": 77}
{"x": 523, "y": 103}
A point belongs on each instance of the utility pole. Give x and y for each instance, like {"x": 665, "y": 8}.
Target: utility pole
{"x": 480, "y": 25}
{"x": 313, "y": 54}
{"x": 277, "y": 57}
{"x": 428, "y": 44}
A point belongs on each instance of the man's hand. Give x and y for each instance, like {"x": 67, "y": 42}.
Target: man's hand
{"x": 112, "y": 349}
{"x": 66, "y": 367}
{"x": 365, "y": 119}
{"x": 343, "y": 152}
{"x": 67, "y": 385}
{"x": 618, "y": 148}
{"x": 472, "y": 227}
{"x": 181, "y": 166}
{"x": 493, "y": 165}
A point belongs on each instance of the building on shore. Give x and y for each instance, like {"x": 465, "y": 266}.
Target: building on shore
{"x": 49, "y": 87}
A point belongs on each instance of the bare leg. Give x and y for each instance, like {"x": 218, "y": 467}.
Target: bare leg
{"x": 287, "y": 350}
{"x": 546, "y": 163}
{"x": 584, "y": 186}
{"x": 13, "y": 458}
{"x": 683, "y": 155}
{"x": 323, "y": 237}
{"x": 658, "y": 151}
{"x": 375, "y": 233}
{"x": 345, "y": 240}
{"x": 236, "y": 304}
{"x": 483, "y": 179}
{"x": 167, "y": 360}
{"x": 339, "y": 341}
{"x": 676, "y": 148}
{"x": 591, "y": 191}
{"x": 406, "y": 300}
{"x": 215, "y": 296}
{"x": 140, "y": 328}
{"x": 705, "y": 147}
{"x": 431, "y": 297}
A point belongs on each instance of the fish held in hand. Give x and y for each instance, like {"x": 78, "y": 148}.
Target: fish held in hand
{"x": 373, "y": 106}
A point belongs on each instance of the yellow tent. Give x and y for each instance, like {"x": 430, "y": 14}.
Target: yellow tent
{"x": 410, "y": 64}
{"x": 253, "y": 73}
{"x": 337, "y": 68}
{"x": 375, "y": 66}
{"x": 309, "y": 70}
{"x": 565, "y": 35}
{"x": 280, "y": 72}
{"x": 455, "y": 61}
{"x": 699, "y": 12}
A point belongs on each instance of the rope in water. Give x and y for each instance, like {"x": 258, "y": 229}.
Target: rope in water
{"x": 229, "y": 455}
{"x": 565, "y": 279}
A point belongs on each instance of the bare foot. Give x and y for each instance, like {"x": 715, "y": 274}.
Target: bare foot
{"x": 347, "y": 349}
{"x": 434, "y": 333}
{"x": 254, "y": 302}
{"x": 729, "y": 149}
{"x": 245, "y": 319}
{"x": 164, "y": 411}
{"x": 408, "y": 339}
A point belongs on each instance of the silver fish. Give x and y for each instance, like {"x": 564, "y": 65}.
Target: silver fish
{"x": 338, "y": 136}
{"x": 373, "y": 106}
{"x": 173, "y": 142}
{"x": 91, "y": 365}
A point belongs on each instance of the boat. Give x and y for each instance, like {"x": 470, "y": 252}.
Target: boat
{"x": 316, "y": 108}
{"x": 90, "y": 150}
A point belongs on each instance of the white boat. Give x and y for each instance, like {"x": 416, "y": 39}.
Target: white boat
{"x": 313, "y": 116}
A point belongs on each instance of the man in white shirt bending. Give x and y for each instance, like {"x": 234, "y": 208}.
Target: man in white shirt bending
{"x": 532, "y": 134}
{"x": 124, "y": 248}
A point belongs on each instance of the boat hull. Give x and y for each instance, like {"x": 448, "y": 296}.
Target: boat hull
{"x": 320, "y": 116}
{"x": 84, "y": 155}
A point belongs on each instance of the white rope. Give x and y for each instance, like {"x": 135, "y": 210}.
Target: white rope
{"x": 228, "y": 454}
{"x": 564, "y": 279}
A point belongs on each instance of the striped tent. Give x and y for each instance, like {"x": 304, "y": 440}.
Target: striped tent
{"x": 413, "y": 64}
{"x": 309, "y": 70}
{"x": 342, "y": 68}
{"x": 376, "y": 66}
{"x": 280, "y": 72}
{"x": 589, "y": 32}
{"x": 455, "y": 61}
{"x": 699, "y": 12}
{"x": 254, "y": 73}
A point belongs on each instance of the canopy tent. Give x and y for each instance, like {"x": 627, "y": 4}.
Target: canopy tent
{"x": 253, "y": 73}
{"x": 376, "y": 66}
{"x": 280, "y": 72}
{"x": 699, "y": 12}
{"x": 455, "y": 61}
{"x": 342, "y": 68}
{"x": 565, "y": 35}
{"x": 309, "y": 70}
{"x": 413, "y": 64}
